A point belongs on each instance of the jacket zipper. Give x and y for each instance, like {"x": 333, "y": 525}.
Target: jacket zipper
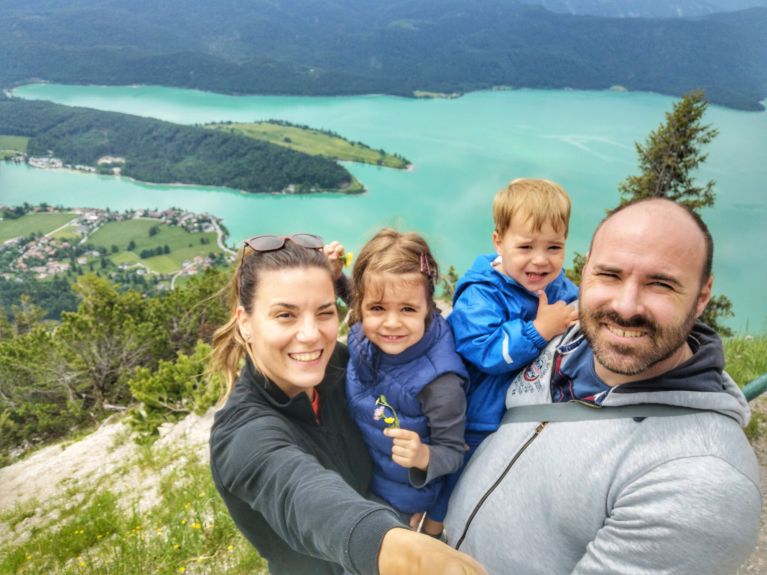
{"x": 498, "y": 481}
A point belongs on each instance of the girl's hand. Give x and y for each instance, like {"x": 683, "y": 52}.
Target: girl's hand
{"x": 408, "y": 451}
{"x": 334, "y": 251}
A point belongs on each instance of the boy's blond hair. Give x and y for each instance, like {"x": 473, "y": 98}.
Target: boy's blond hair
{"x": 537, "y": 200}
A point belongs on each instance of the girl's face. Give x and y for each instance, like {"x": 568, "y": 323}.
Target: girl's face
{"x": 293, "y": 328}
{"x": 394, "y": 311}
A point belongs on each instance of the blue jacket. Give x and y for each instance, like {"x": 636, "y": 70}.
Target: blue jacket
{"x": 492, "y": 323}
{"x": 400, "y": 378}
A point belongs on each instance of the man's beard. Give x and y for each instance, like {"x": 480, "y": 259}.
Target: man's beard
{"x": 633, "y": 360}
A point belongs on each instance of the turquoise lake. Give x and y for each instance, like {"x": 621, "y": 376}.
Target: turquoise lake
{"x": 463, "y": 151}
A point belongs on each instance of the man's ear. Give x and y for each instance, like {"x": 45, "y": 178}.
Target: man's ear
{"x": 704, "y": 296}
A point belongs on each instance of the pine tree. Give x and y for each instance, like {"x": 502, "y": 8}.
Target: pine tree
{"x": 668, "y": 160}
{"x": 671, "y": 155}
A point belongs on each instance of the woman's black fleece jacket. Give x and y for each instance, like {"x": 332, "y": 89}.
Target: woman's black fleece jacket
{"x": 294, "y": 486}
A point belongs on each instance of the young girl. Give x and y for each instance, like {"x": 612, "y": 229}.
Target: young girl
{"x": 404, "y": 381}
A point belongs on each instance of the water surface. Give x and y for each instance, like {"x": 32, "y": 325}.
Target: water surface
{"x": 463, "y": 151}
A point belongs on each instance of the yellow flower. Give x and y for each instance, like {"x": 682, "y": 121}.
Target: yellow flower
{"x": 196, "y": 526}
{"x": 346, "y": 259}
{"x": 183, "y": 522}
{"x": 230, "y": 548}
{"x": 388, "y": 420}
{"x": 182, "y": 569}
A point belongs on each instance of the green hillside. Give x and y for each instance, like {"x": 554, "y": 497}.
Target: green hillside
{"x": 313, "y": 142}
{"x": 369, "y": 47}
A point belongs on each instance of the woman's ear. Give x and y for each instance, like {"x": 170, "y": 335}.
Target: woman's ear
{"x": 243, "y": 323}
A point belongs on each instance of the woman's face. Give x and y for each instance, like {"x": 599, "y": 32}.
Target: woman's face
{"x": 293, "y": 327}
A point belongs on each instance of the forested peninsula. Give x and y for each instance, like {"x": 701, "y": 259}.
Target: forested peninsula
{"x": 162, "y": 152}
{"x": 365, "y": 46}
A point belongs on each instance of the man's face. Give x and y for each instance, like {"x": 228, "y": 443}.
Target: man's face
{"x": 641, "y": 291}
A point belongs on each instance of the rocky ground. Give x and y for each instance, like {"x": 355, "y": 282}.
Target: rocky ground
{"x": 47, "y": 474}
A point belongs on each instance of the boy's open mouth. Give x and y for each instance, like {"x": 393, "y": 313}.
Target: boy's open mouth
{"x": 536, "y": 277}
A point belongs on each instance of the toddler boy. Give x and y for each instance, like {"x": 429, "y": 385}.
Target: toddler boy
{"x": 509, "y": 305}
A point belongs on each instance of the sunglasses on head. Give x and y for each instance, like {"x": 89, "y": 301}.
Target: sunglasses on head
{"x": 271, "y": 243}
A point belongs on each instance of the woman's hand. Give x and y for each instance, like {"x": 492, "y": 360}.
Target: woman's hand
{"x": 334, "y": 251}
{"x": 408, "y": 451}
{"x": 405, "y": 552}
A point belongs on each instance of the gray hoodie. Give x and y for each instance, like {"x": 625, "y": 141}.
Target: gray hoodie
{"x": 674, "y": 495}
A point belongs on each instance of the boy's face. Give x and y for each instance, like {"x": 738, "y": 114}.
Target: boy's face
{"x": 531, "y": 258}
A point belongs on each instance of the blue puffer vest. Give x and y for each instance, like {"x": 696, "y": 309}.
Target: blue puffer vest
{"x": 400, "y": 378}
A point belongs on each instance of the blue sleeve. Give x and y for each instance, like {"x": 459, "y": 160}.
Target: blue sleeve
{"x": 486, "y": 339}
{"x": 568, "y": 292}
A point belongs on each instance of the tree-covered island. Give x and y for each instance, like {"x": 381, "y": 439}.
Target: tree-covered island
{"x": 48, "y": 135}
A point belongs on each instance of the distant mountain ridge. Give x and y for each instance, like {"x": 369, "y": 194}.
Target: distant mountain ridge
{"x": 367, "y": 46}
{"x": 646, "y": 8}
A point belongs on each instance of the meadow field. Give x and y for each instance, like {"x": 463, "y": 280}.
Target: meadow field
{"x": 315, "y": 143}
{"x": 34, "y": 223}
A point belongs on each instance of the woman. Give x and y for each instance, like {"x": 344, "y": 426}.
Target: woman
{"x": 285, "y": 456}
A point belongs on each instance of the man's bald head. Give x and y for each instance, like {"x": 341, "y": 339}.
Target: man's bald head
{"x": 664, "y": 206}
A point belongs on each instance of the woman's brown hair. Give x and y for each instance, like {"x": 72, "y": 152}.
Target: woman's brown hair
{"x": 229, "y": 345}
{"x": 393, "y": 252}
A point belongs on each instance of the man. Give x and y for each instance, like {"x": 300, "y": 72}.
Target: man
{"x": 670, "y": 491}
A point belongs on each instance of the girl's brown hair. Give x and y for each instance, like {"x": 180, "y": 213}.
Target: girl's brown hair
{"x": 229, "y": 345}
{"x": 390, "y": 251}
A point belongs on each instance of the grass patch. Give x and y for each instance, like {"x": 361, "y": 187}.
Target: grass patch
{"x": 745, "y": 360}
{"x": 19, "y": 513}
{"x": 13, "y": 144}
{"x": 66, "y": 233}
{"x": 29, "y": 224}
{"x": 314, "y": 143}
{"x": 184, "y": 245}
{"x": 188, "y": 531}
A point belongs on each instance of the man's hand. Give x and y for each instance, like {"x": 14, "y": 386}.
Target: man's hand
{"x": 553, "y": 319}
{"x": 405, "y": 552}
{"x": 408, "y": 451}
{"x": 334, "y": 251}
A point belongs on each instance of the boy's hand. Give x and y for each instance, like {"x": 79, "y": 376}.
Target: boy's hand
{"x": 553, "y": 319}
{"x": 334, "y": 251}
{"x": 408, "y": 451}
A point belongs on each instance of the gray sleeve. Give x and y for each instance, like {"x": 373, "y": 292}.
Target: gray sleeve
{"x": 444, "y": 404}
{"x": 691, "y": 516}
